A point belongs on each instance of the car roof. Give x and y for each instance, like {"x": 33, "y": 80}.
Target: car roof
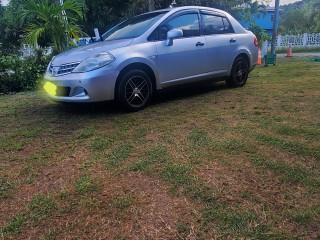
{"x": 197, "y": 7}
{"x": 175, "y": 9}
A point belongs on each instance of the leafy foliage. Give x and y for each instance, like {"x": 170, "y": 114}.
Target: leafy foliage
{"x": 260, "y": 33}
{"x": 10, "y": 27}
{"x": 18, "y": 75}
{"x": 300, "y": 17}
{"x": 102, "y": 14}
{"x": 56, "y": 22}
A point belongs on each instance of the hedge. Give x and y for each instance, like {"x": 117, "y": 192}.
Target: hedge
{"x": 18, "y": 74}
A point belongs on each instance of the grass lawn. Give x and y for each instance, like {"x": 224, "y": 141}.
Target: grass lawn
{"x": 199, "y": 163}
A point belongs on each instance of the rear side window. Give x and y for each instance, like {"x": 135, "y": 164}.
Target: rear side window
{"x": 188, "y": 23}
{"x": 216, "y": 24}
{"x": 227, "y": 26}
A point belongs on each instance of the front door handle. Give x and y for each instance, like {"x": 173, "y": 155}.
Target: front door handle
{"x": 232, "y": 40}
{"x": 199, "y": 44}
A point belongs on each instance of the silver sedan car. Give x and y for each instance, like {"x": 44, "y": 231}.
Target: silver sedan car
{"x": 153, "y": 51}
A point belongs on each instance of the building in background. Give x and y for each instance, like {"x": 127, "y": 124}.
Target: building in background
{"x": 264, "y": 18}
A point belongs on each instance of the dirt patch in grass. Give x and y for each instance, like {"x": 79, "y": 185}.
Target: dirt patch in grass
{"x": 262, "y": 192}
{"x": 129, "y": 206}
{"x": 290, "y": 159}
{"x": 157, "y": 210}
{"x": 48, "y": 180}
{"x": 231, "y": 181}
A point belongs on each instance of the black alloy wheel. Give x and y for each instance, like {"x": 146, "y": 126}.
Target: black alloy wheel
{"x": 135, "y": 90}
{"x": 239, "y": 73}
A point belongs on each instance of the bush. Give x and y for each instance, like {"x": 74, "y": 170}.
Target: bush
{"x": 260, "y": 33}
{"x": 21, "y": 74}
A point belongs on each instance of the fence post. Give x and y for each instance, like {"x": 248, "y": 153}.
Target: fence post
{"x": 305, "y": 39}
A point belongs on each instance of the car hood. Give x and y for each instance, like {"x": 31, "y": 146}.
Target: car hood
{"x": 79, "y": 54}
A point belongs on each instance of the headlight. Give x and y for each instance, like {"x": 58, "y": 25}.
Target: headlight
{"x": 94, "y": 62}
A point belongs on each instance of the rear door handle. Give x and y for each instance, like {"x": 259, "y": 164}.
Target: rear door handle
{"x": 232, "y": 40}
{"x": 199, "y": 44}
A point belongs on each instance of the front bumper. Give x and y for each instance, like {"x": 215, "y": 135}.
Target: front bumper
{"x": 94, "y": 86}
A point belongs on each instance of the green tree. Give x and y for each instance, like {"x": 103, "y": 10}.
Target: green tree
{"x": 313, "y": 11}
{"x": 294, "y": 22}
{"x": 260, "y": 33}
{"x": 102, "y": 14}
{"x": 10, "y": 27}
{"x": 300, "y": 17}
{"x": 52, "y": 21}
{"x": 139, "y": 6}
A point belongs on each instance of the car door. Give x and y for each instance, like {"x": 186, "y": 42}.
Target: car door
{"x": 187, "y": 56}
{"x": 221, "y": 42}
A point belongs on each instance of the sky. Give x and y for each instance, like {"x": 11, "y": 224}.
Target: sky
{"x": 282, "y": 2}
{"x": 4, "y": 2}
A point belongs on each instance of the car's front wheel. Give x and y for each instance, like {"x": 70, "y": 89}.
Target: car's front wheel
{"x": 135, "y": 90}
{"x": 239, "y": 73}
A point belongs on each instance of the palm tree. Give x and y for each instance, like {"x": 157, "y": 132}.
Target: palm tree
{"x": 57, "y": 23}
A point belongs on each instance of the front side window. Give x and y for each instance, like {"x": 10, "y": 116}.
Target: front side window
{"x": 133, "y": 27}
{"x": 188, "y": 23}
{"x": 216, "y": 24}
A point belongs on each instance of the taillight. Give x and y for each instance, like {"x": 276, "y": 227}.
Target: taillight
{"x": 256, "y": 41}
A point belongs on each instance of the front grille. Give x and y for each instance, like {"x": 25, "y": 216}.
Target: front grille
{"x": 63, "y": 91}
{"x": 62, "y": 69}
{"x": 67, "y": 68}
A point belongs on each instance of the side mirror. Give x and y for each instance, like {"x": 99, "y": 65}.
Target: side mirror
{"x": 172, "y": 34}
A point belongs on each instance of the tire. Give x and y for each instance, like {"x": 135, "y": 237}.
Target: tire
{"x": 239, "y": 73}
{"x": 135, "y": 90}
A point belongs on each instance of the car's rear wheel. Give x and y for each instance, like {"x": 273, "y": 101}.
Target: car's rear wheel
{"x": 239, "y": 73}
{"x": 135, "y": 90}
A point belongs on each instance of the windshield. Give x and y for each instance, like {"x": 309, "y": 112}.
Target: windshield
{"x": 133, "y": 27}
